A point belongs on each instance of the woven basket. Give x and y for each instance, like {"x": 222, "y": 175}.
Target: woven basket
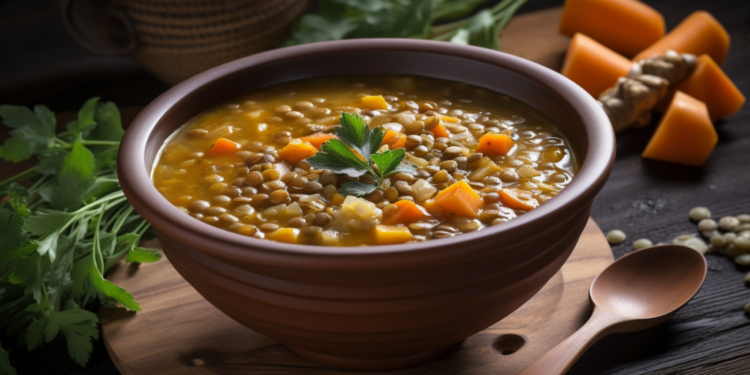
{"x": 176, "y": 39}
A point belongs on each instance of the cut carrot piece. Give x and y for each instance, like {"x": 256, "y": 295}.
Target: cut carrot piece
{"x": 288, "y": 235}
{"x": 439, "y": 131}
{"x": 406, "y": 213}
{"x": 459, "y": 200}
{"x": 685, "y": 135}
{"x": 709, "y": 84}
{"x": 296, "y": 150}
{"x": 318, "y": 139}
{"x": 699, "y": 33}
{"x": 394, "y": 139}
{"x": 625, "y": 26}
{"x": 517, "y": 199}
{"x": 495, "y": 144}
{"x": 374, "y": 102}
{"x": 391, "y": 235}
{"x": 593, "y": 66}
{"x": 223, "y": 147}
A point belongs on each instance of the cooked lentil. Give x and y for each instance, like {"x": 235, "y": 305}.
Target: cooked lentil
{"x": 256, "y": 190}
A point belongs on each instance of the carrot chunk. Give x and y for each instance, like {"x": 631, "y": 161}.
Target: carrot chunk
{"x": 699, "y": 33}
{"x": 223, "y": 147}
{"x": 626, "y": 26}
{"x": 374, "y": 102}
{"x": 495, "y": 144}
{"x": 709, "y": 84}
{"x": 517, "y": 199}
{"x": 459, "y": 200}
{"x": 394, "y": 139}
{"x": 318, "y": 139}
{"x": 288, "y": 235}
{"x": 439, "y": 131}
{"x": 685, "y": 134}
{"x": 593, "y": 66}
{"x": 406, "y": 213}
{"x": 391, "y": 235}
{"x": 296, "y": 150}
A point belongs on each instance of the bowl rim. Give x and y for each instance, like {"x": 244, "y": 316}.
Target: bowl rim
{"x": 135, "y": 179}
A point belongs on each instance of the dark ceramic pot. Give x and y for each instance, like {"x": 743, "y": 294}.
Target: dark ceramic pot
{"x": 380, "y": 307}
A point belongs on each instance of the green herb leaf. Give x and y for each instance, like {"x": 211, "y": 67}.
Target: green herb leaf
{"x": 79, "y": 162}
{"x": 51, "y": 161}
{"x": 45, "y": 220}
{"x": 141, "y": 255}
{"x": 33, "y": 132}
{"x": 357, "y": 188}
{"x": 108, "y": 123}
{"x": 480, "y": 31}
{"x": 337, "y": 157}
{"x": 85, "y": 120}
{"x": 5, "y": 367}
{"x": 388, "y": 160}
{"x": 77, "y": 325}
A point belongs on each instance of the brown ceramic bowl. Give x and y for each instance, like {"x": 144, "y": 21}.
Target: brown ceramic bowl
{"x": 379, "y": 307}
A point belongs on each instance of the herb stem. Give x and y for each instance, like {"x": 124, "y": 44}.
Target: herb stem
{"x": 99, "y": 143}
{"x": 26, "y": 173}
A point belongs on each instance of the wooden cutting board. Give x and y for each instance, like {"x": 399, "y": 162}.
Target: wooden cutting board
{"x": 178, "y": 332}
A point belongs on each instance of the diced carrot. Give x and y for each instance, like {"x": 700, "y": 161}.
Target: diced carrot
{"x": 296, "y": 150}
{"x": 626, "y": 26}
{"x": 288, "y": 235}
{"x": 593, "y": 66}
{"x": 394, "y": 139}
{"x": 223, "y": 147}
{"x": 495, "y": 144}
{"x": 698, "y": 33}
{"x": 439, "y": 131}
{"x": 685, "y": 134}
{"x": 391, "y": 235}
{"x": 515, "y": 198}
{"x": 318, "y": 139}
{"x": 374, "y": 102}
{"x": 459, "y": 200}
{"x": 709, "y": 84}
{"x": 406, "y": 213}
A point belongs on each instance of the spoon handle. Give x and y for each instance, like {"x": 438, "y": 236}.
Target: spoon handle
{"x": 562, "y": 357}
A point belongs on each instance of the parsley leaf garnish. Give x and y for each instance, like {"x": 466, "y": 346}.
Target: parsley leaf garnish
{"x": 62, "y": 234}
{"x": 337, "y": 156}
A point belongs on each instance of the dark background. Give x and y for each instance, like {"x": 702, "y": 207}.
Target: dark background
{"x": 41, "y": 64}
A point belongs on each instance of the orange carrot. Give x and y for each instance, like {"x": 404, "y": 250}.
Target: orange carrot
{"x": 223, "y": 147}
{"x": 394, "y": 139}
{"x": 318, "y": 139}
{"x": 374, "y": 102}
{"x": 459, "y": 200}
{"x": 699, "y": 33}
{"x": 296, "y": 150}
{"x": 515, "y": 198}
{"x": 439, "y": 131}
{"x": 406, "y": 213}
{"x": 495, "y": 144}
{"x": 593, "y": 66}
{"x": 626, "y": 26}
{"x": 709, "y": 84}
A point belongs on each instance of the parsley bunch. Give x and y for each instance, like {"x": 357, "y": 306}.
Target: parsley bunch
{"x": 60, "y": 235}
{"x": 337, "y": 156}
{"x": 350, "y": 19}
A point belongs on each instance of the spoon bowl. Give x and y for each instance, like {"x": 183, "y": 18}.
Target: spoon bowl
{"x": 638, "y": 291}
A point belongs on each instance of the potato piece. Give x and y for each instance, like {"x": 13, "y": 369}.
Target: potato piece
{"x": 374, "y": 102}
{"x": 422, "y": 190}
{"x": 486, "y": 168}
{"x": 391, "y": 235}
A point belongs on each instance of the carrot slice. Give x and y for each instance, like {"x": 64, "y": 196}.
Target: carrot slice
{"x": 374, "y": 102}
{"x": 495, "y": 144}
{"x": 318, "y": 139}
{"x": 394, "y": 140}
{"x": 296, "y": 150}
{"x": 406, "y": 213}
{"x": 514, "y": 198}
{"x": 439, "y": 131}
{"x": 223, "y": 147}
{"x": 459, "y": 200}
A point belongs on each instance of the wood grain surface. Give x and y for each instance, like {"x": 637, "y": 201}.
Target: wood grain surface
{"x": 711, "y": 335}
{"x": 178, "y": 328}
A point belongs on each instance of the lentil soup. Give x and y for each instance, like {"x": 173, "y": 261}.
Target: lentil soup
{"x": 473, "y": 158}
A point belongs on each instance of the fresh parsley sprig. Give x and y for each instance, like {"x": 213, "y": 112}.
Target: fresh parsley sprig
{"x": 60, "y": 235}
{"x": 337, "y": 156}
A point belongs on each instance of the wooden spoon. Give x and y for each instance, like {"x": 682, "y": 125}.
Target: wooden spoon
{"x": 638, "y": 291}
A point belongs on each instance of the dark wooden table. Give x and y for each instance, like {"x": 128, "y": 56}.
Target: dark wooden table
{"x": 40, "y": 63}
